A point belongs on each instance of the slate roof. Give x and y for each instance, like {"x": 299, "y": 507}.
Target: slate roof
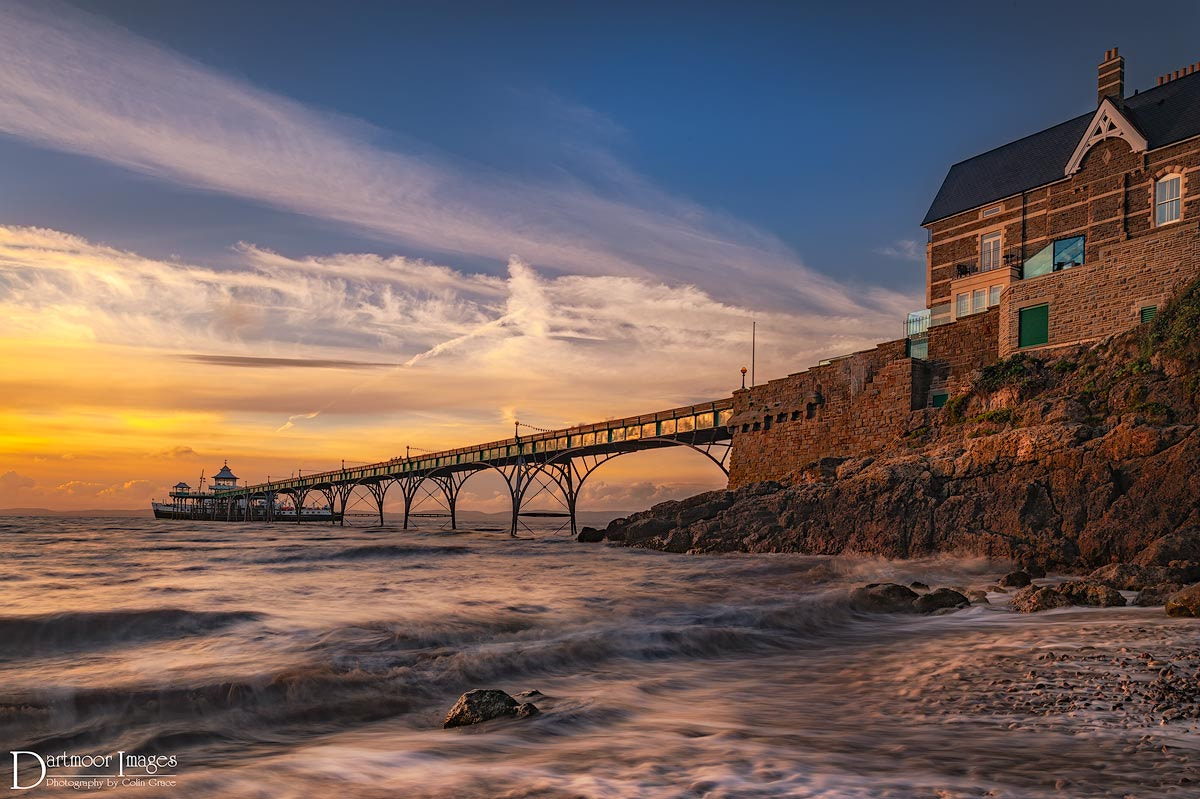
{"x": 224, "y": 473}
{"x": 1165, "y": 114}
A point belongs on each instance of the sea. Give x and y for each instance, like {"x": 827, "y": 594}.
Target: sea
{"x": 200, "y": 659}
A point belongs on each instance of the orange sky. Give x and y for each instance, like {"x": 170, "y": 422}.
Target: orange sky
{"x": 123, "y": 372}
{"x": 122, "y": 375}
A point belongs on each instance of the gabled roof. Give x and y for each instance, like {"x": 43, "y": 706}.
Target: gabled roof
{"x": 1164, "y": 115}
{"x": 1109, "y": 122}
{"x": 224, "y": 473}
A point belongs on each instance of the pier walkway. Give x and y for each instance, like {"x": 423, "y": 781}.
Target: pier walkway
{"x": 544, "y": 463}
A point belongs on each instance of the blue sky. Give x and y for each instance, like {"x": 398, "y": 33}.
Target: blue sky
{"x": 301, "y": 232}
{"x": 828, "y": 126}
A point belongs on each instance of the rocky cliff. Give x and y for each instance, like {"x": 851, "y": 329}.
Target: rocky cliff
{"x": 1070, "y": 460}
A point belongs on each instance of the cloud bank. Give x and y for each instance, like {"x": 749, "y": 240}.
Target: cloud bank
{"x": 74, "y": 82}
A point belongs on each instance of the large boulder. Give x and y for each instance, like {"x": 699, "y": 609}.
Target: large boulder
{"x": 883, "y": 598}
{"x": 482, "y": 704}
{"x": 1017, "y": 579}
{"x": 1134, "y": 577}
{"x": 590, "y": 535}
{"x": 1032, "y": 599}
{"x": 1156, "y": 595}
{"x": 940, "y": 599}
{"x": 1091, "y": 594}
{"x": 1185, "y": 602}
{"x": 1182, "y": 544}
{"x": 645, "y": 528}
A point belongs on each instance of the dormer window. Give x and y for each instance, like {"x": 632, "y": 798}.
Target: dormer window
{"x": 989, "y": 252}
{"x": 1167, "y": 200}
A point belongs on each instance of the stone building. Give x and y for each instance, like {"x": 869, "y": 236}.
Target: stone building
{"x": 1065, "y": 236}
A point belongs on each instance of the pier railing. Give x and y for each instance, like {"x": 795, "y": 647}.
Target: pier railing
{"x": 684, "y": 422}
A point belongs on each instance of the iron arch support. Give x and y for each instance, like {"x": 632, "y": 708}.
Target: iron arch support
{"x": 568, "y": 471}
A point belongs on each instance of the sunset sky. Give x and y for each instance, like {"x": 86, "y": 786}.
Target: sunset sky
{"x": 288, "y": 234}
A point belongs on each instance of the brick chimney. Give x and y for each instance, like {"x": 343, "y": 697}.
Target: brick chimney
{"x": 1112, "y": 77}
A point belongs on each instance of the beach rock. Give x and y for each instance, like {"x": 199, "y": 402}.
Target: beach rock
{"x": 1123, "y": 576}
{"x": 939, "y": 599}
{"x": 1183, "y": 544}
{"x": 1185, "y": 602}
{"x": 1078, "y": 479}
{"x": 480, "y": 705}
{"x": 1032, "y": 599}
{"x": 917, "y": 585}
{"x": 1134, "y": 577}
{"x": 883, "y": 598}
{"x": 978, "y": 597}
{"x": 1155, "y": 595}
{"x": 1091, "y": 594}
{"x": 646, "y": 528}
{"x": 590, "y": 535}
{"x": 616, "y": 530}
{"x": 1017, "y": 579}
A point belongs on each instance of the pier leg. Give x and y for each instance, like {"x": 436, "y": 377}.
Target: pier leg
{"x": 299, "y": 502}
{"x": 379, "y": 491}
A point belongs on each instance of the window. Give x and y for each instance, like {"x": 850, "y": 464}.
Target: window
{"x": 994, "y": 295}
{"x": 1148, "y": 314}
{"x": 989, "y": 252}
{"x": 962, "y": 305}
{"x": 1033, "y": 327}
{"x": 995, "y": 209}
{"x": 939, "y": 400}
{"x": 1166, "y": 200}
{"x": 980, "y": 301}
{"x": 1055, "y": 256}
{"x": 1068, "y": 253}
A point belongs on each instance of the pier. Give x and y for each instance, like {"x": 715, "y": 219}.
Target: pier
{"x": 540, "y": 464}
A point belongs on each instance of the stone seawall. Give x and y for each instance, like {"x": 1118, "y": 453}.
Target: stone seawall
{"x": 1072, "y": 459}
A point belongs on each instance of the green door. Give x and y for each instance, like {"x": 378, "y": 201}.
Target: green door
{"x": 1034, "y": 328}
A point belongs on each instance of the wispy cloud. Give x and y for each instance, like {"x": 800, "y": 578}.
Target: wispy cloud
{"x": 253, "y": 362}
{"x": 74, "y": 82}
{"x": 558, "y": 349}
{"x": 905, "y": 250}
{"x": 296, "y": 417}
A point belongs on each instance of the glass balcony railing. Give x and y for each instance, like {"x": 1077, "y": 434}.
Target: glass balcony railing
{"x": 917, "y": 322}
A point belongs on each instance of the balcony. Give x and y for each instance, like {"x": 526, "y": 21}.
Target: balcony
{"x": 916, "y": 330}
{"x": 1010, "y": 260}
{"x": 918, "y": 322}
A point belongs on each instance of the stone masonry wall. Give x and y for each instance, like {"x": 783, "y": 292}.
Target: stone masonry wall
{"x": 958, "y": 349}
{"x": 849, "y": 406}
{"x": 1109, "y": 200}
{"x": 1105, "y": 295}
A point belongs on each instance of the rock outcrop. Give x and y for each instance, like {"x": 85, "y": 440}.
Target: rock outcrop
{"x": 1032, "y": 599}
{"x": 1018, "y": 579}
{"x": 1071, "y": 461}
{"x": 883, "y": 598}
{"x": 480, "y": 705}
{"x": 941, "y": 599}
{"x": 1185, "y": 602}
{"x": 1091, "y": 594}
{"x": 894, "y": 598}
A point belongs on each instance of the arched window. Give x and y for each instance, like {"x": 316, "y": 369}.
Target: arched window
{"x": 1167, "y": 193}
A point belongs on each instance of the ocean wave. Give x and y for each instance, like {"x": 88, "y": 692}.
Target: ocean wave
{"x": 33, "y": 636}
{"x": 365, "y": 552}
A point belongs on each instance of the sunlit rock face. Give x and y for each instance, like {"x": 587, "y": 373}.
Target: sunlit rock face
{"x": 1079, "y": 461}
